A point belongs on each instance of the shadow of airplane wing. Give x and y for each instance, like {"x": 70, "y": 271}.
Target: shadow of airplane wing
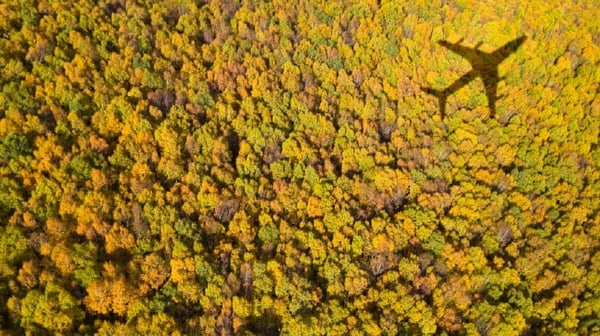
{"x": 470, "y": 54}
{"x": 490, "y": 75}
{"x": 506, "y": 50}
{"x": 442, "y": 95}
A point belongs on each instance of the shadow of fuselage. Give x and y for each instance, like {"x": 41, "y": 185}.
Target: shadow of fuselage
{"x": 484, "y": 65}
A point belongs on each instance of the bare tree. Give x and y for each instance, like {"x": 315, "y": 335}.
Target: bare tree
{"x": 225, "y": 210}
{"x": 246, "y": 276}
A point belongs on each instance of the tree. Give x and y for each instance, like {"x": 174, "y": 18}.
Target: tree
{"x": 155, "y": 271}
{"x": 54, "y": 310}
{"x": 13, "y": 250}
{"x": 244, "y": 167}
{"x": 11, "y": 197}
{"x": 112, "y": 293}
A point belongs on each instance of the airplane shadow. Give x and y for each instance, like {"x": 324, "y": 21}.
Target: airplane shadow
{"x": 484, "y": 65}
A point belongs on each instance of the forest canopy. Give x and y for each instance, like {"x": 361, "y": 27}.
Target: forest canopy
{"x": 263, "y": 168}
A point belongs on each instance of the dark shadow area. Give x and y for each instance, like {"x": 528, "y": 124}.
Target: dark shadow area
{"x": 484, "y": 64}
{"x": 269, "y": 324}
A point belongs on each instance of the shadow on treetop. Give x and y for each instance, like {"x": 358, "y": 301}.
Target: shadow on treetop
{"x": 484, "y": 65}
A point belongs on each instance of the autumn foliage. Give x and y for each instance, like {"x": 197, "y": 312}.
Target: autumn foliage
{"x": 273, "y": 167}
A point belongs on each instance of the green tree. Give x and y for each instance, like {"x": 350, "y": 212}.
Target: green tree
{"x": 54, "y": 310}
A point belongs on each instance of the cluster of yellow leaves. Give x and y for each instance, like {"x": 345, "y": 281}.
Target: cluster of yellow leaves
{"x": 238, "y": 167}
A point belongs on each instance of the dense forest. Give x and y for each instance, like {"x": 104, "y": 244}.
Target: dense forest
{"x": 247, "y": 167}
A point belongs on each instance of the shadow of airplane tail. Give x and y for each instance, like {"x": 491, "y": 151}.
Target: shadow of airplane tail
{"x": 441, "y": 96}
